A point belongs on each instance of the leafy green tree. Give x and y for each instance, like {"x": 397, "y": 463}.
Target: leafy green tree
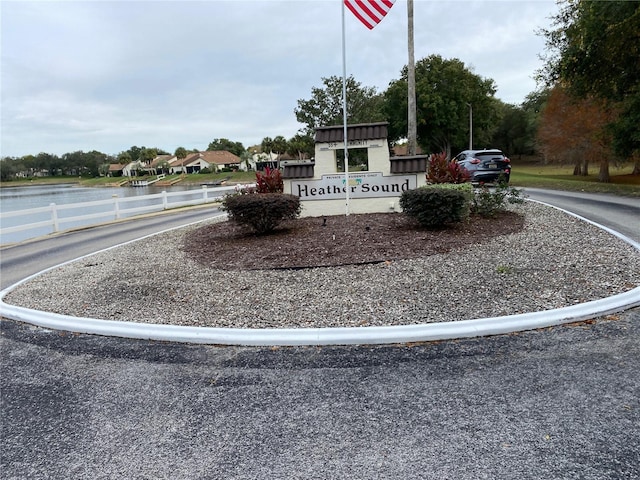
{"x": 49, "y": 162}
{"x": 85, "y": 163}
{"x": 625, "y": 131}
{"x": 10, "y": 167}
{"x": 225, "y": 144}
{"x": 95, "y": 159}
{"x": 595, "y": 47}
{"x": 324, "y": 108}
{"x": 593, "y": 51}
{"x": 29, "y": 162}
{"x": 444, "y": 90}
{"x": 513, "y": 134}
{"x": 134, "y": 153}
{"x": 533, "y": 106}
{"x": 74, "y": 162}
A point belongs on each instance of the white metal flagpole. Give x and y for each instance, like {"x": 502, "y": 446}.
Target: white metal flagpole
{"x": 344, "y": 110}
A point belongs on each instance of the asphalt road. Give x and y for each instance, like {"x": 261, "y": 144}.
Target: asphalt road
{"x": 27, "y": 258}
{"x": 562, "y": 402}
{"x": 618, "y": 213}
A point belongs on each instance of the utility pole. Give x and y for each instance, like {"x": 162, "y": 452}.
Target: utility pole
{"x": 412, "y": 135}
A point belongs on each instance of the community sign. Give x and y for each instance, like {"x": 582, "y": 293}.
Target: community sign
{"x": 361, "y": 185}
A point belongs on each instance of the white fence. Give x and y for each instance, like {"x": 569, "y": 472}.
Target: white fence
{"x": 62, "y": 217}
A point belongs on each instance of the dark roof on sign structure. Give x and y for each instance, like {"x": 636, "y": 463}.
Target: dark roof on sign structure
{"x": 363, "y": 131}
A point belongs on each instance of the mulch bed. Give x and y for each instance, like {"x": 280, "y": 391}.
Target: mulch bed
{"x": 338, "y": 240}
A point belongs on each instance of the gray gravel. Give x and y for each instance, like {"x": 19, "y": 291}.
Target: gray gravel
{"x": 556, "y": 261}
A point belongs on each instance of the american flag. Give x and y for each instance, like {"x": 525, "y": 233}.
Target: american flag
{"x": 369, "y": 12}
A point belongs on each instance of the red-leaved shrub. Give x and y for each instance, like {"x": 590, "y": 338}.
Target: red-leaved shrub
{"x": 270, "y": 181}
{"x": 442, "y": 170}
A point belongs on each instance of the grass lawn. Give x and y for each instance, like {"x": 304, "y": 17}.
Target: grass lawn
{"x": 560, "y": 177}
{"x": 194, "y": 179}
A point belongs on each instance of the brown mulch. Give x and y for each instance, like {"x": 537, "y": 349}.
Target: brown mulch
{"x": 340, "y": 240}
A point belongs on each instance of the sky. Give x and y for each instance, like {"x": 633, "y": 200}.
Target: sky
{"x": 108, "y": 75}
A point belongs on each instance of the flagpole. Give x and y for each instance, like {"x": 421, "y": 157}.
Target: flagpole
{"x": 344, "y": 111}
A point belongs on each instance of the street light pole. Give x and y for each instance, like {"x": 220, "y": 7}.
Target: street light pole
{"x": 470, "y": 126}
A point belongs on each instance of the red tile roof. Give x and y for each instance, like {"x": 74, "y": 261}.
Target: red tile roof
{"x": 219, "y": 157}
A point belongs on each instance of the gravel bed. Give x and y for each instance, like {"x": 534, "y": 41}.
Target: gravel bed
{"x": 555, "y": 261}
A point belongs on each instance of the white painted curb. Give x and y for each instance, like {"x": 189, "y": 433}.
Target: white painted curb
{"x": 329, "y": 336}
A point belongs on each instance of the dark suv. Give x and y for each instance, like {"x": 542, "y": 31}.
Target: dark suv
{"x": 485, "y": 166}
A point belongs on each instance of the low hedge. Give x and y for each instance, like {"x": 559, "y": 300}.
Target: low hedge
{"x": 262, "y": 211}
{"x": 436, "y": 205}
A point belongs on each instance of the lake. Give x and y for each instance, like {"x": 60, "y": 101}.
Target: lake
{"x": 34, "y": 196}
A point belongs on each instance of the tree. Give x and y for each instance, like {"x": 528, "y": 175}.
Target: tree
{"x": 274, "y": 146}
{"x": 279, "y": 145}
{"x": 444, "y": 88}
{"x": 573, "y": 131}
{"x": 93, "y": 160}
{"x": 595, "y": 48}
{"x": 301, "y": 146}
{"x": 163, "y": 166}
{"x": 134, "y": 153}
{"x": 147, "y": 155}
{"x": 225, "y": 144}
{"x": 324, "y": 108}
{"x": 124, "y": 158}
{"x": 181, "y": 153}
{"x": 103, "y": 169}
{"x": 49, "y": 162}
{"x": 513, "y": 133}
{"x": 625, "y": 132}
{"x": 267, "y": 146}
{"x": 85, "y": 163}
{"x": 593, "y": 52}
{"x": 10, "y": 167}
{"x": 533, "y": 106}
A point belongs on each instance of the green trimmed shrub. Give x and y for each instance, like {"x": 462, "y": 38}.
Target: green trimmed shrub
{"x": 488, "y": 202}
{"x": 434, "y": 206}
{"x": 262, "y": 212}
{"x": 466, "y": 188}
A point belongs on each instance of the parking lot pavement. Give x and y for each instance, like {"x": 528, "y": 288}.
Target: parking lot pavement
{"x": 561, "y": 402}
